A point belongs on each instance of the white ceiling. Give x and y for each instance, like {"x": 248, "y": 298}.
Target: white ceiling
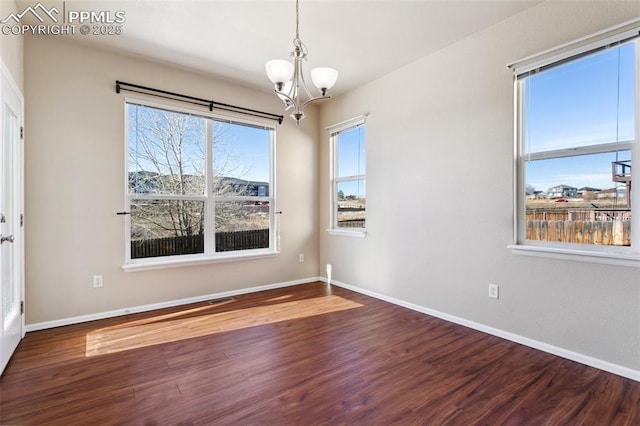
{"x": 363, "y": 40}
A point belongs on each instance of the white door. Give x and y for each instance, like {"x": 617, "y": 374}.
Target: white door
{"x": 11, "y": 252}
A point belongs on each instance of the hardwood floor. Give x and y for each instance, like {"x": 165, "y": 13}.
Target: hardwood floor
{"x": 299, "y": 355}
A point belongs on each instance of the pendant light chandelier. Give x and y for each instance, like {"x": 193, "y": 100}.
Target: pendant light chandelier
{"x": 288, "y": 78}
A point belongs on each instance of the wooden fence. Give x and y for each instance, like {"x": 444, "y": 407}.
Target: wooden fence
{"x": 591, "y": 215}
{"x": 351, "y": 223}
{"x": 613, "y": 232}
{"x": 192, "y": 244}
{"x": 242, "y": 240}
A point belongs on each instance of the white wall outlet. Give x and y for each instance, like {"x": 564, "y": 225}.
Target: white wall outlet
{"x": 301, "y": 258}
{"x": 493, "y": 291}
{"x": 97, "y": 281}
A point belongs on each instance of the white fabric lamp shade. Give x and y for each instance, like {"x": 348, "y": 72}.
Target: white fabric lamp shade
{"x": 279, "y": 70}
{"x": 324, "y": 78}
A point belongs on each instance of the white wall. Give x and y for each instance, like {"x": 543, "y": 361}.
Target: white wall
{"x": 75, "y": 185}
{"x": 440, "y": 203}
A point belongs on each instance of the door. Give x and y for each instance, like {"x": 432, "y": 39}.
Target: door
{"x": 11, "y": 252}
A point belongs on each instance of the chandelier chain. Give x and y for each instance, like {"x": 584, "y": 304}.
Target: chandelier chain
{"x": 297, "y": 19}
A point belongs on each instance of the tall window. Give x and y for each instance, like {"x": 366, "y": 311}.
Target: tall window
{"x": 197, "y": 186}
{"x": 349, "y": 177}
{"x": 577, "y": 133}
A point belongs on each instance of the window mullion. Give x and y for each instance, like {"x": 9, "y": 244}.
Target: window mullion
{"x": 350, "y": 178}
{"x": 240, "y": 198}
{"x": 582, "y": 150}
{"x": 166, "y": 197}
{"x": 210, "y": 213}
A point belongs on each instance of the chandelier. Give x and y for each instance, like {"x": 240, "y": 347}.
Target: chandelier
{"x": 288, "y": 78}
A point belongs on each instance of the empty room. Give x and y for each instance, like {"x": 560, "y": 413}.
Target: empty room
{"x": 319, "y": 212}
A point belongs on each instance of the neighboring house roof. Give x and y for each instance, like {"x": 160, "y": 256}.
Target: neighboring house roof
{"x": 609, "y": 191}
{"x": 562, "y": 187}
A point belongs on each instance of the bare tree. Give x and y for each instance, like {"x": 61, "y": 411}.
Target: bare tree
{"x": 167, "y": 168}
{"x": 529, "y": 189}
{"x": 167, "y": 153}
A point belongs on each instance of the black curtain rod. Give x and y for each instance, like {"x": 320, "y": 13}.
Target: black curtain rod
{"x": 121, "y": 85}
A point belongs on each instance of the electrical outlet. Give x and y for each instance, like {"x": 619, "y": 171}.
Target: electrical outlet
{"x": 97, "y": 281}
{"x": 301, "y": 257}
{"x": 493, "y": 291}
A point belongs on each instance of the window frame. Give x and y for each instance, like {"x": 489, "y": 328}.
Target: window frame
{"x": 617, "y": 255}
{"x": 209, "y": 255}
{"x": 334, "y": 131}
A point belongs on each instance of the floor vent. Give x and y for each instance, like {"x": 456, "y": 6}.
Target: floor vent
{"x": 223, "y": 300}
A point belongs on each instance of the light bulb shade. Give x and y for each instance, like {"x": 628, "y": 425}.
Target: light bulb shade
{"x": 324, "y": 78}
{"x": 279, "y": 70}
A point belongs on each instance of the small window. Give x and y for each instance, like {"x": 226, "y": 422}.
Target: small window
{"x": 197, "y": 186}
{"x": 348, "y": 210}
{"x": 577, "y": 120}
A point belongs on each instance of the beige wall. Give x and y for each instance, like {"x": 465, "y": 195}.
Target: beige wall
{"x": 439, "y": 195}
{"x": 11, "y": 47}
{"x": 75, "y": 185}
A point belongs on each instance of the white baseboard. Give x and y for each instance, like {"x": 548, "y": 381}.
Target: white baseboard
{"x": 545, "y": 347}
{"x": 168, "y": 304}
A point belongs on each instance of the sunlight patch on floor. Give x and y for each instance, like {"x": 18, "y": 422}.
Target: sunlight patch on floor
{"x": 170, "y": 328}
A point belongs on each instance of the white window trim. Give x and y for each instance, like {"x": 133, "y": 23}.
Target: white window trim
{"x": 355, "y": 232}
{"x": 334, "y": 129}
{"x": 152, "y": 263}
{"x": 620, "y": 259}
{"x": 581, "y": 45}
{"x": 613, "y": 255}
{"x": 163, "y": 262}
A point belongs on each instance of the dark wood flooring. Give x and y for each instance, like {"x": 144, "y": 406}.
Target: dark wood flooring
{"x": 298, "y": 356}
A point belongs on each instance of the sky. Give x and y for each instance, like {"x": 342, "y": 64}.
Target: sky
{"x": 588, "y": 101}
{"x": 351, "y": 161}
{"x": 242, "y": 152}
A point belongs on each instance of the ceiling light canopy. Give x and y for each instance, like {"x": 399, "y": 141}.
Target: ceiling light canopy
{"x": 288, "y": 77}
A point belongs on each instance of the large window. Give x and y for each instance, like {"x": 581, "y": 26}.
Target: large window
{"x": 197, "y": 186}
{"x": 349, "y": 200}
{"x": 577, "y": 137}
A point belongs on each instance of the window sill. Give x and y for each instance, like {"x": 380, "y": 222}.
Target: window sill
{"x": 192, "y": 260}
{"x": 361, "y": 233}
{"x": 621, "y": 259}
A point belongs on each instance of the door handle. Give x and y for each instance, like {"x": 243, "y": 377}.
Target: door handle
{"x": 8, "y": 239}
